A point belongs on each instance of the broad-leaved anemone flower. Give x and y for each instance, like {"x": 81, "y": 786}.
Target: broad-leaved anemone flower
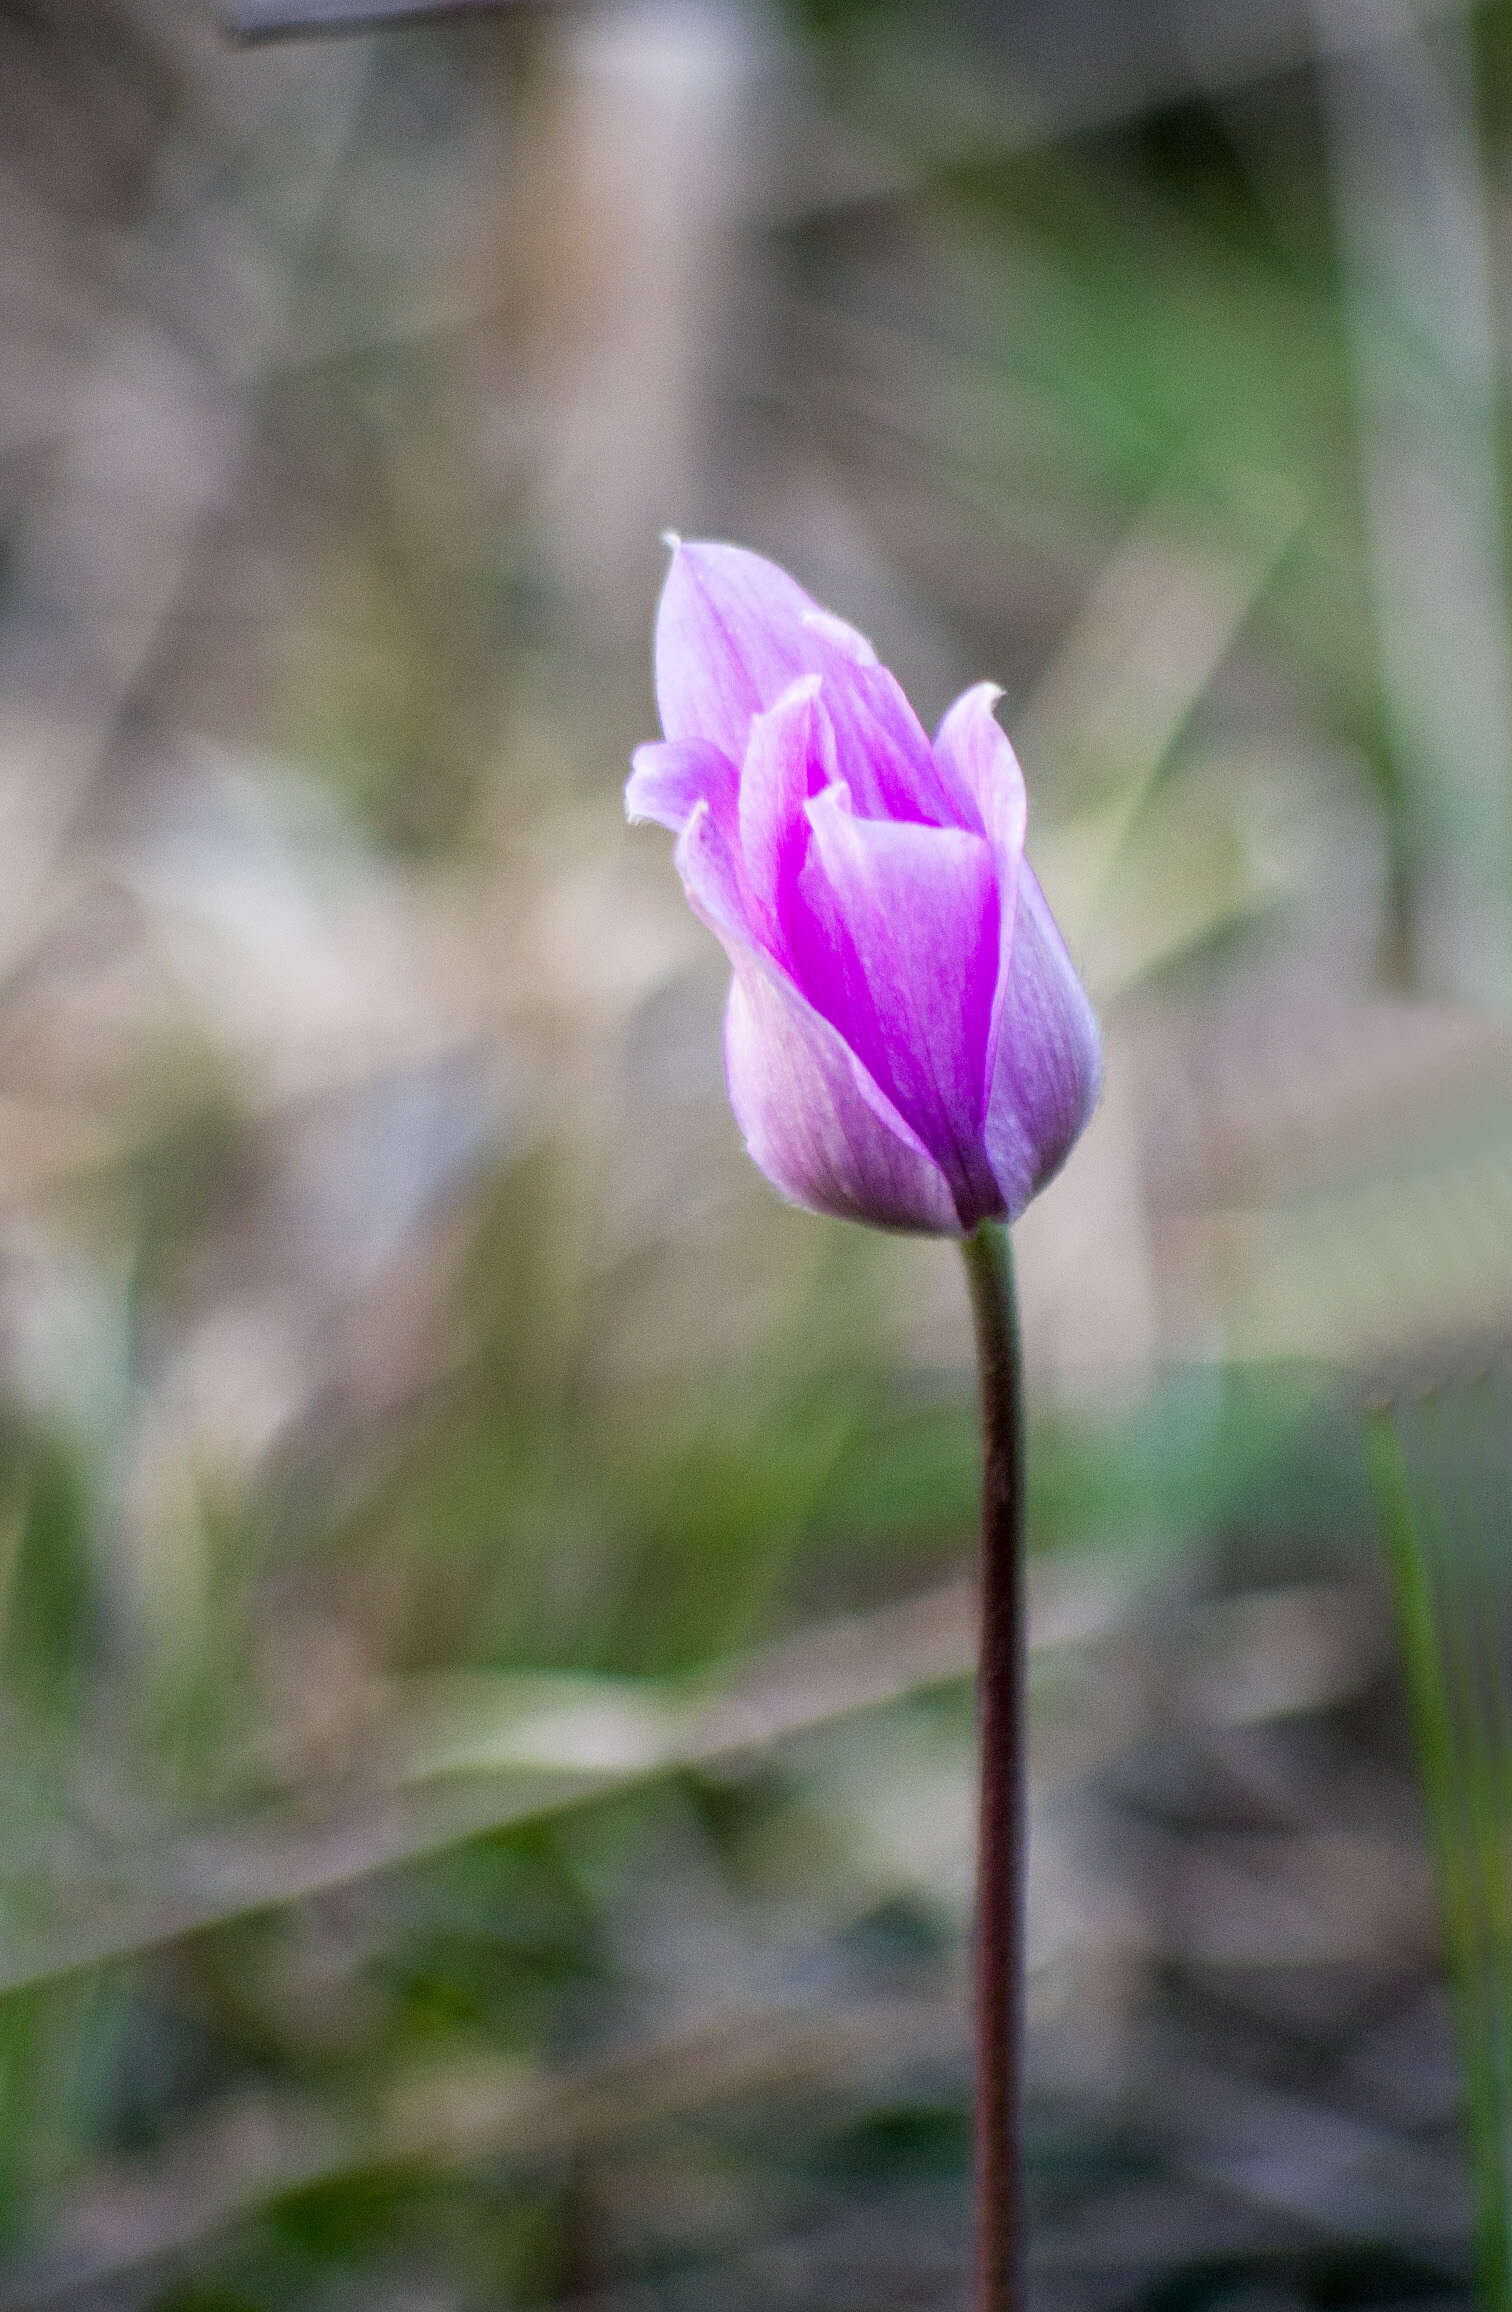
{"x": 907, "y": 1042}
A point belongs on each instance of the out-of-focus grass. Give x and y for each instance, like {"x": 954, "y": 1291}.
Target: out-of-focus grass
{"x": 1461, "y": 1736}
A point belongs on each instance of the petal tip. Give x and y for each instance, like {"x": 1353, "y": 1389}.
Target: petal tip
{"x": 692, "y": 834}
{"x": 798, "y": 693}
{"x": 839, "y": 632}
{"x": 835, "y": 797}
{"x": 636, "y": 815}
{"x": 983, "y": 698}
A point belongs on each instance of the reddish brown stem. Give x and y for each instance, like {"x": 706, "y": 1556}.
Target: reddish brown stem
{"x": 1003, "y": 1829}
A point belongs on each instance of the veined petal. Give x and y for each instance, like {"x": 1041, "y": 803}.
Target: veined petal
{"x": 895, "y": 941}
{"x": 669, "y": 776}
{"x": 847, "y": 639}
{"x": 888, "y": 764}
{"x": 974, "y": 755}
{"x": 823, "y": 1135}
{"x": 885, "y": 758}
{"x": 972, "y": 751}
{"x": 907, "y": 1041}
{"x": 791, "y": 755}
{"x": 730, "y": 638}
{"x": 1047, "y": 1069}
{"x": 797, "y": 1097}
{"x": 733, "y": 632}
{"x": 709, "y": 866}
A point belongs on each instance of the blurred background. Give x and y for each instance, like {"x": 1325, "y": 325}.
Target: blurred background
{"x": 485, "y": 1614}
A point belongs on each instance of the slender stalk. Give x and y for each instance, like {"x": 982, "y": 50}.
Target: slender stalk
{"x": 1003, "y": 1829}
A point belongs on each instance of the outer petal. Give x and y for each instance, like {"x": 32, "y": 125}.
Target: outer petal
{"x": 733, "y": 632}
{"x": 895, "y": 941}
{"x": 847, "y": 639}
{"x": 973, "y": 752}
{"x": 730, "y": 638}
{"x": 1048, "y": 1067}
{"x": 816, "y": 1128}
{"x": 669, "y": 776}
{"x": 889, "y": 765}
{"x": 885, "y": 758}
{"x": 790, "y": 757}
{"x": 797, "y": 1099}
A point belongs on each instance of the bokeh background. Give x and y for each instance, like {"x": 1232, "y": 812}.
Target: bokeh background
{"x": 485, "y": 1616}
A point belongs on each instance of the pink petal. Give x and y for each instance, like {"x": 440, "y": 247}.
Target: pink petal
{"x": 733, "y": 632}
{"x": 885, "y": 758}
{"x": 823, "y": 1136}
{"x": 798, "y": 1098}
{"x": 847, "y": 639}
{"x": 709, "y": 866}
{"x": 907, "y": 1040}
{"x": 974, "y": 755}
{"x": 791, "y": 755}
{"x": 1048, "y": 1066}
{"x": 670, "y": 775}
{"x": 729, "y": 639}
{"x": 895, "y": 941}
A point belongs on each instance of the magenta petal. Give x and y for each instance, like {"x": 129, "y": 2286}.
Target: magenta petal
{"x": 734, "y": 632}
{"x": 847, "y": 639}
{"x": 976, "y": 761}
{"x": 974, "y": 755}
{"x": 791, "y": 755}
{"x": 798, "y": 1099}
{"x": 895, "y": 941}
{"x": 885, "y": 758}
{"x": 822, "y": 1135}
{"x": 888, "y": 763}
{"x": 730, "y": 638}
{"x": 670, "y": 775}
{"x": 710, "y": 869}
{"x": 907, "y": 1040}
{"x": 1048, "y": 1066}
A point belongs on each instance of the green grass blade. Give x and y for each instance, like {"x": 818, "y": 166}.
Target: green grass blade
{"x": 1461, "y": 1800}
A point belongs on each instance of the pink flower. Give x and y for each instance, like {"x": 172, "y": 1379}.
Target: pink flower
{"x": 907, "y": 1042}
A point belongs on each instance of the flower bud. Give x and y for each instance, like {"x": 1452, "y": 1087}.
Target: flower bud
{"x": 907, "y": 1042}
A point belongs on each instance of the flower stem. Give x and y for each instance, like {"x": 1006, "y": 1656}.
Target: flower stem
{"x": 1003, "y": 1833}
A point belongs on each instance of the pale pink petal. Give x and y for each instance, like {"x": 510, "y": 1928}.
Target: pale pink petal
{"x": 847, "y": 639}
{"x": 798, "y": 1098}
{"x": 895, "y": 942}
{"x": 791, "y": 755}
{"x": 885, "y": 758}
{"x": 1048, "y": 1067}
{"x": 730, "y": 638}
{"x": 974, "y": 755}
{"x": 796, "y": 1090}
{"x": 907, "y": 1040}
{"x": 975, "y": 758}
{"x": 668, "y": 776}
{"x": 733, "y": 632}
